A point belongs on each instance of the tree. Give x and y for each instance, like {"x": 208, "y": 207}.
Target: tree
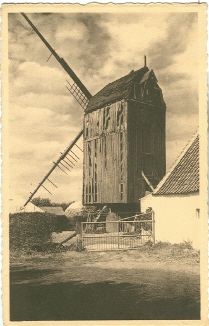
{"x": 65, "y": 205}
{"x": 40, "y": 202}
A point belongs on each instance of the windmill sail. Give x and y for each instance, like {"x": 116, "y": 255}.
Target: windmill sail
{"x": 54, "y": 166}
{"x": 62, "y": 62}
{"x": 80, "y": 93}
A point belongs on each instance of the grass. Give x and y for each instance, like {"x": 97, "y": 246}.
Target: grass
{"x": 168, "y": 251}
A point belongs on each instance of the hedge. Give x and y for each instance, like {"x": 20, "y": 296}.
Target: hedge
{"x": 29, "y": 230}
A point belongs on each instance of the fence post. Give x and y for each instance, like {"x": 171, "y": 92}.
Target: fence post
{"x": 153, "y": 226}
{"x": 118, "y": 235}
{"x": 79, "y": 231}
{"x": 81, "y": 234}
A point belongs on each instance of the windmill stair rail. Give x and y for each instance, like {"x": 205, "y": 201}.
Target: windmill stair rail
{"x": 129, "y": 233}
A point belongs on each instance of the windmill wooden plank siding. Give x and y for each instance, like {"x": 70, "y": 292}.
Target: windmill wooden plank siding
{"x": 146, "y": 148}
{"x": 124, "y": 138}
{"x": 105, "y": 153}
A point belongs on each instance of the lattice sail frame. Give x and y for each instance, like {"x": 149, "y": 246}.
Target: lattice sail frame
{"x": 78, "y": 94}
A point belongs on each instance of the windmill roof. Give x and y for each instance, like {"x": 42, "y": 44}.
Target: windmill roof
{"x": 116, "y": 90}
{"x": 56, "y": 210}
{"x": 183, "y": 177}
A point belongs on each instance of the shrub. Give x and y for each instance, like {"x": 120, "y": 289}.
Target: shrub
{"x": 28, "y": 230}
{"x": 163, "y": 245}
{"x": 186, "y": 244}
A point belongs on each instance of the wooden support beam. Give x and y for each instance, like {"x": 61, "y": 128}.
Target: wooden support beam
{"x": 147, "y": 181}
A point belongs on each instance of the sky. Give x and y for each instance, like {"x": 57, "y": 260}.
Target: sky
{"x": 100, "y": 47}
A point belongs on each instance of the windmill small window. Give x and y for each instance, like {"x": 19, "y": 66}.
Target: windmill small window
{"x": 121, "y": 191}
{"x": 121, "y": 165}
{"x": 90, "y": 191}
{"x": 120, "y": 116}
{"x": 107, "y": 118}
{"x": 97, "y": 128}
{"x": 87, "y": 193}
{"x": 89, "y": 158}
{"x": 105, "y": 153}
{"x": 95, "y": 170}
{"x": 87, "y": 129}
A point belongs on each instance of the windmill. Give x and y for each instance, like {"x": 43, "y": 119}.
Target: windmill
{"x": 124, "y": 138}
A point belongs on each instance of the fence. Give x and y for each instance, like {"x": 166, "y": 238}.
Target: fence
{"x": 128, "y": 233}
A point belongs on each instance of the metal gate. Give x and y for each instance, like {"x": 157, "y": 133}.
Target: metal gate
{"x": 117, "y": 235}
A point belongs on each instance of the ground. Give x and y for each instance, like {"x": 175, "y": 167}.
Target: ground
{"x": 144, "y": 284}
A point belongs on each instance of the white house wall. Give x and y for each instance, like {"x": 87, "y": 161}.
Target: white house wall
{"x": 176, "y": 217}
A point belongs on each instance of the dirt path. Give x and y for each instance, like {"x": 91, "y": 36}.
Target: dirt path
{"x": 104, "y": 285}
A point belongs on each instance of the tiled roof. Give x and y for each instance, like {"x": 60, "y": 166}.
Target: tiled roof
{"x": 116, "y": 90}
{"x": 56, "y": 210}
{"x": 184, "y": 176}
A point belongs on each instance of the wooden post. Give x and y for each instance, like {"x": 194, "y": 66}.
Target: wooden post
{"x": 68, "y": 238}
{"x": 118, "y": 235}
{"x": 81, "y": 233}
{"x": 79, "y": 227}
{"x": 153, "y": 226}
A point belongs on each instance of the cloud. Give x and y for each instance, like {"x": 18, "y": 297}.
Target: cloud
{"x": 186, "y": 100}
{"x": 96, "y": 42}
{"x": 69, "y": 186}
{"x": 62, "y": 105}
{"x": 70, "y": 31}
{"x": 35, "y": 124}
{"x": 163, "y": 53}
{"x": 181, "y": 127}
{"x": 131, "y": 38}
{"x": 42, "y": 79}
{"x": 31, "y": 157}
{"x": 44, "y": 117}
{"x": 179, "y": 130}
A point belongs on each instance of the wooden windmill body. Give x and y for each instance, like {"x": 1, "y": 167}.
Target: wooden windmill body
{"x": 124, "y": 137}
{"x": 124, "y": 140}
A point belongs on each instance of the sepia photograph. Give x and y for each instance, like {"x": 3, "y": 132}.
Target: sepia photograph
{"x": 105, "y": 146}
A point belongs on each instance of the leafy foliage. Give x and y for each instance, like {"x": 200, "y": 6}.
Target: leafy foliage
{"x": 65, "y": 205}
{"x": 27, "y": 230}
{"x": 40, "y": 202}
